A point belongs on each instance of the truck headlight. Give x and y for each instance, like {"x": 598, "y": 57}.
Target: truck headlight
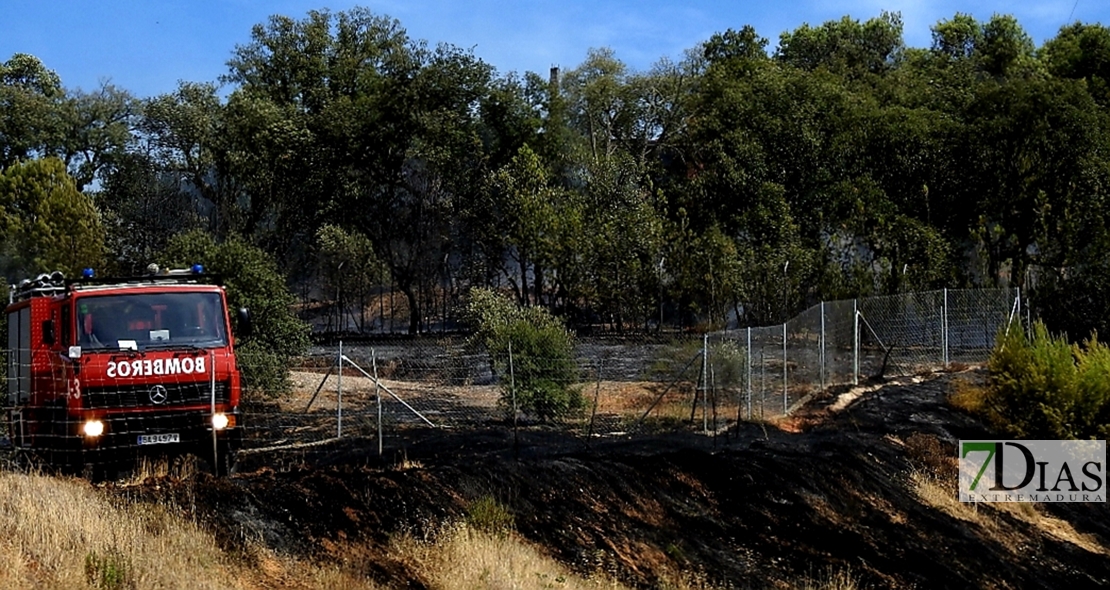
{"x": 220, "y": 421}
{"x": 93, "y": 428}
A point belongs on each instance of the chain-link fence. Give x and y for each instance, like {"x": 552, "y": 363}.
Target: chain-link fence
{"x": 632, "y": 384}
{"x": 372, "y": 392}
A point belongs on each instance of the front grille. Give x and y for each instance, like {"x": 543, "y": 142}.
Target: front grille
{"x": 136, "y": 396}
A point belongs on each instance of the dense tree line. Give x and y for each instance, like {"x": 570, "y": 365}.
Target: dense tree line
{"x": 742, "y": 181}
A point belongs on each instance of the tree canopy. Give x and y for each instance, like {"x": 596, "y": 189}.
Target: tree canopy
{"x": 738, "y": 184}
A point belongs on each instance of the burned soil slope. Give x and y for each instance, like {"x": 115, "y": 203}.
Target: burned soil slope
{"x": 847, "y": 484}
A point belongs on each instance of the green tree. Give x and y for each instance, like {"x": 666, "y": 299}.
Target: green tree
{"x": 350, "y": 269}
{"x": 957, "y": 38}
{"x": 522, "y": 216}
{"x": 38, "y": 118}
{"x": 97, "y": 131}
{"x": 1006, "y": 48}
{"x": 254, "y": 281}
{"x": 621, "y": 241}
{"x": 184, "y": 133}
{"x": 31, "y": 97}
{"x": 1036, "y": 171}
{"x": 48, "y": 224}
{"x": 1080, "y": 51}
{"x": 398, "y": 127}
{"x": 846, "y": 47}
{"x": 143, "y": 206}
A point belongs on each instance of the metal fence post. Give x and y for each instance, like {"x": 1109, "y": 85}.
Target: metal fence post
{"x": 212, "y": 388}
{"x": 378, "y": 396}
{"x": 512, "y": 391}
{"x": 339, "y": 396}
{"x": 784, "y": 377}
{"x": 705, "y": 382}
{"x": 762, "y": 384}
{"x": 855, "y": 342}
{"x": 597, "y": 397}
{"x": 944, "y": 328}
{"x": 822, "y": 356}
{"x": 749, "y": 373}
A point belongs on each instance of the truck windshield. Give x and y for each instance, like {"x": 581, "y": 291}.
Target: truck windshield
{"x": 151, "y": 320}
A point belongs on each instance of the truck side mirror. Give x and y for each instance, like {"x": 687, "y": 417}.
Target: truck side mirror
{"x": 245, "y": 327}
{"x": 48, "y": 332}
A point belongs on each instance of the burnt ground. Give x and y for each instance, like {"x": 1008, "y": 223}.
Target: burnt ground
{"x": 754, "y": 507}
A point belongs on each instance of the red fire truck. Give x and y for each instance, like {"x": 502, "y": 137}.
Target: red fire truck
{"x": 100, "y": 371}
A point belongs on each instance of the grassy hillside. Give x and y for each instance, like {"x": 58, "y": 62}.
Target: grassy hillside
{"x": 856, "y": 490}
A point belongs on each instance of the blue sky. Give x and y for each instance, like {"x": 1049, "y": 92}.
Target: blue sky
{"x": 146, "y": 46}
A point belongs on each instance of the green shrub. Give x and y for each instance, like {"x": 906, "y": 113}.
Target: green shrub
{"x": 543, "y": 370}
{"x": 253, "y": 280}
{"x": 265, "y": 373}
{"x": 488, "y": 515}
{"x": 1043, "y": 387}
{"x": 109, "y": 571}
{"x": 542, "y": 375}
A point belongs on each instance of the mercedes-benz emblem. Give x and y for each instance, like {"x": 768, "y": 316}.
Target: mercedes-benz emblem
{"x": 158, "y": 394}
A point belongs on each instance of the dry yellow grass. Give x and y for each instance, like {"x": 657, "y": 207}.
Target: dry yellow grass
{"x": 65, "y": 533}
{"x": 60, "y": 533}
{"x": 830, "y": 580}
{"x": 935, "y": 493}
{"x": 967, "y": 396}
{"x": 462, "y": 558}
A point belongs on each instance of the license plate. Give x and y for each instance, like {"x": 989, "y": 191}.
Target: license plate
{"x": 159, "y": 439}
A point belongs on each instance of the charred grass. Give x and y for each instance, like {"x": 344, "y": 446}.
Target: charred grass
{"x": 860, "y": 495}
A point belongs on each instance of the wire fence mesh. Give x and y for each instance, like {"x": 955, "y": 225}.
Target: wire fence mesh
{"x": 647, "y": 384}
{"x": 371, "y": 391}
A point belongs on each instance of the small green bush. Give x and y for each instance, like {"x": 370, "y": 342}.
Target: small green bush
{"x": 1043, "y": 387}
{"x": 488, "y": 515}
{"x": 109, "y": 571}
{"x": 542, "y": 377}
{"x": 265, "y": 373}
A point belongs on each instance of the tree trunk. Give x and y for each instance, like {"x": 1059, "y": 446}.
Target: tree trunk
{"x": 414, "y": 309}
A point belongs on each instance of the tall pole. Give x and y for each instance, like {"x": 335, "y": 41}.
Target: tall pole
{"x": 212, "y": 388}
{"x": 705, "y": 382}
{"x": 339, "y": 298}
{"x": 762, "y": 383}
{"x": 749, "y": 372}
{"x": 785, "y": 284}
{"x": 855, "y": 342}
{"x": 661, "y": 260}
{"x": 378, "y": 396}
{"x": 784, "y": 380}
{"x": 944, "y": 328}
{"x": 339, "y": 396}
{"x": 512, "y": 390}
{"x": 822, "y": 346}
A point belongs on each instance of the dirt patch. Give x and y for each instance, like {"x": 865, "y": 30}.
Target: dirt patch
{"x": 755, "y": 506}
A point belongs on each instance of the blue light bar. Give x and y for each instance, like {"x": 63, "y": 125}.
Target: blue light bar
{"x": 88, "y": 273}
{"x": 198, "y": 269}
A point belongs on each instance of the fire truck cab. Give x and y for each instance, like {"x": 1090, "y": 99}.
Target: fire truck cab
{"x": 102, "y": 371}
